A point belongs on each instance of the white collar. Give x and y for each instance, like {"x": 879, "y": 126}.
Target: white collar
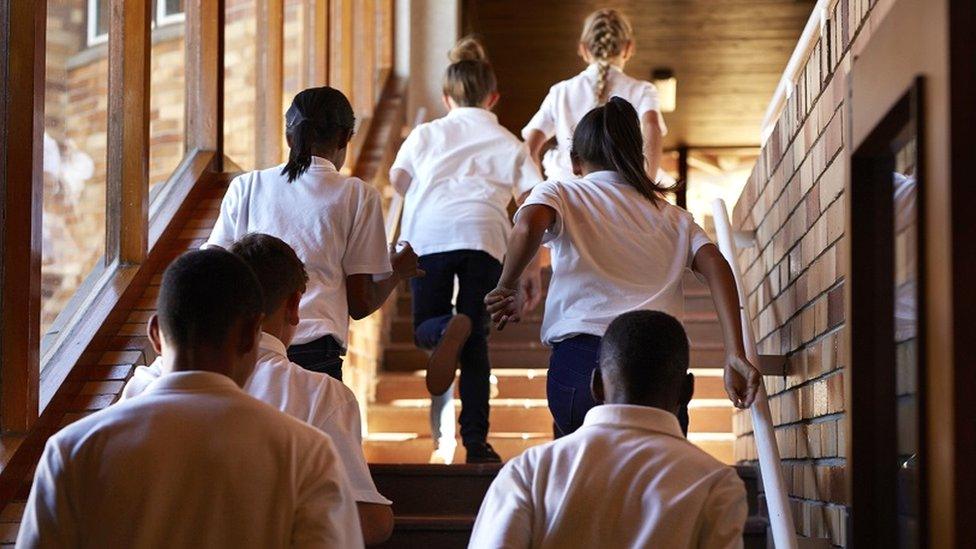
{"x": 473, "y": 112}
{"x": 272, "y": 344}
{"x": 322, "y": 164}
{"x": 605, "y": 176}
{"x": 633, "y": 416}
{"x": 193, "y": 381}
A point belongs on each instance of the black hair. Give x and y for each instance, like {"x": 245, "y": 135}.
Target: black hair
{"x": 610, "y": 137}
{"x": 278, "y": 269}
{"x": 317, "y": 116}
{"x": 203, "y": 294}
{"x": 646, "y": 354}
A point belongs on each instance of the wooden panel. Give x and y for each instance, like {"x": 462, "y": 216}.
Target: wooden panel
{"x": 268, "y": 79}
{"x": 204, "y": 75}
{"x": 364, "y": 69}
{"x": 22, "y": 34}
{"x": 317, "y": 42}
{"x": 727, "y": 60}
{"x": 127, "y": 177}
{"x": 340, "y": 45}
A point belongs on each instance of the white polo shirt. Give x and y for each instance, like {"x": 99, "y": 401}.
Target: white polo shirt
{"x": 334, "y": 223}
{"x": 613, "y": 251}
{"x": 194, "y": 462}
{"x": 465, "y": 168}
{"x": 626, "y": 478}
{"x": 568, "y": 101}
{"x": 312, "y": 397}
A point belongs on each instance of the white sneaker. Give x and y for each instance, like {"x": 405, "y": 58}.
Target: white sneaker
{"x": 442, "y": 455}
{"x": 493, "y": 381}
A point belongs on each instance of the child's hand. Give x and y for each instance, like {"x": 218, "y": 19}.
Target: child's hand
{"x": 503, "y": 306}
{"x": 405, "y": 262}
{"x": 742, "y": 381}
{"x": 530, "y": 286}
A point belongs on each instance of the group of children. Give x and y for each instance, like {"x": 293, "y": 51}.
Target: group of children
{"x": 297, "y": 249}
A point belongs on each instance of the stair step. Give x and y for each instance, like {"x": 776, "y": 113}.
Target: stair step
{"x": 430, "y": 532}
{"x": 413, "y": 448}
{"x": 528, "y": 330}
{"x": 434, "y": 490}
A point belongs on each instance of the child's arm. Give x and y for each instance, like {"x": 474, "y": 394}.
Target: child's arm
{"x": 364, "y": 295}
{"x": 534, "y": 141}
{"x": 504, "y": 301}
{"x": 400, "y": 179}
{"x": 741, "y": 378}
{"x": 653, "y": 142}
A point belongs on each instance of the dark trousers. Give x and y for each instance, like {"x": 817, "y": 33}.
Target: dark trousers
{"x": 477, "y": 273}
{"x": 322, "y": 355}
{"x": 571, "y": 367}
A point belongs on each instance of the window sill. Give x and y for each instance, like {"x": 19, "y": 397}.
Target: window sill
{"x": 98, "y": 51}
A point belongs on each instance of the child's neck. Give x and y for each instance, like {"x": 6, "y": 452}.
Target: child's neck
{"x": 275, "y": 325}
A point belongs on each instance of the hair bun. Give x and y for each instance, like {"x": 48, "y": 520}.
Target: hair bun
{"x": 467, "y": 49}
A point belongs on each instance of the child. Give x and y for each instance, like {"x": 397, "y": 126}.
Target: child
{"x": 606, "y": 44}
{"x": 617, "y": 246}
{"x": 312, "y": 397}
{"x": 627, "y": 478}
{"x": 334, "y": 222}
{"x": 195, "y": 461}
{"x": 458, "y": 175}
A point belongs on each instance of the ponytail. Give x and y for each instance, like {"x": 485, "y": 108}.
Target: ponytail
{"x": 610, "y": 137}
{"x": 317, "y": 116}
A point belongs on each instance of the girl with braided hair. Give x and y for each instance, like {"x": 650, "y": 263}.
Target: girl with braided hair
{"x": 606, "y": 44}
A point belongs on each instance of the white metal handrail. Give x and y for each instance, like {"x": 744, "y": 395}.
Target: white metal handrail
{"x": 395, "y": 212}
{"x": 777, "y": 500}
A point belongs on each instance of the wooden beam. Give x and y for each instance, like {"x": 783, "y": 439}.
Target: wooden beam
{"x": 22, "y": 33}
{"x": 204, "y": 110}
{"x": 268, "y": 82}
{"x": 364, "y": 69}
{"x": 127, "y": 177}
{"x": 317, "y": 43}
{"x": 340, "y": 46}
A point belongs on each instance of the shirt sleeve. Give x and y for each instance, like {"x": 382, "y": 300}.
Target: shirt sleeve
{"x": 325, "y": 515}
{"x": 231, "y": 224}
{"x": 545, "y": 119}
{"x": 366, "y": 251}
{"x": 526, "y": 175}
{"x": 406, "y": 158}
{"x": 344, "y": 426}
{"x": 696, "y": 239}
{"x": 546, "y": 194}
{"x": 506, "y": 515}
{"x": 650, "y": 100}
{"x": 140, "y": 380}
{"x": 724, "y": 515}
{"x": 49, "y": 519}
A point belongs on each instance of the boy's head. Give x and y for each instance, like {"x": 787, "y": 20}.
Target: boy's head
{"x": 208, "y": 314}
{"x": 282, "y": 277}
{"x": 644, "y": 360}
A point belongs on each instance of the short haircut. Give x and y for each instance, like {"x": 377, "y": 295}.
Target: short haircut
{"x": 279, "y": 270}
{"x": 203, "y": 294}
{"x": 646, "y": 354}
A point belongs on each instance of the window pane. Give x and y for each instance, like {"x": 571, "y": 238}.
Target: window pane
{"x": 239, "y": 64}
{"x": 167, "y": 94}
{"x": 293, "y": 68}
{"x": 99, "y": 9}
{"x": 172, "y": 7}
{"x": 75, "y": 103}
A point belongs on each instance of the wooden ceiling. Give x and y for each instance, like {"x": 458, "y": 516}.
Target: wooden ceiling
{"x": 727, "y": 56}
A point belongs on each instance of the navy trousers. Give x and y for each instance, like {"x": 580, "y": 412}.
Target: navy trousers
{"x": 477, "y": 274}
{"x": 322, "y": 355}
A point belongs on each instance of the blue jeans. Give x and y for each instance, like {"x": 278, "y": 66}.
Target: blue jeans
{"x": 477, "y": 273}
{"x": 571, "y": 367}
{"x": 322, "y": 355}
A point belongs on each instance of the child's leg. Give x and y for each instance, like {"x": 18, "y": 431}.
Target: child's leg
{"x": 442, "y": 427}
{"x": 571, "y": 366}
{"x": 431, "y": 295}
{"x": 478, "y": 275}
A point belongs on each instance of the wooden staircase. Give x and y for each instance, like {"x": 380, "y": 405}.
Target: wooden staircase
{"x": 397, "y": 417}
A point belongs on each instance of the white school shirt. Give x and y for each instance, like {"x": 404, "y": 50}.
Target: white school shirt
{"x": 334, "y": 223}
{"x": 194, "y": 462}
{"x": 626, "y": 478}
{"x": 568, "y": 101}
{"x": 312, "y": 397}
{"x": 464, "y": 169}
{"x": 613, "y": 251}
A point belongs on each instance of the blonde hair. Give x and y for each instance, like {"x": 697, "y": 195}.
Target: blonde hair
{"x": 469, "y": 79}
{"x": 606, "y": 34}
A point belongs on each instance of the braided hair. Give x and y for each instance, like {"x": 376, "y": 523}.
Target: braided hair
{"x": 606, "y": 34}
{"x": 317, "y": 116}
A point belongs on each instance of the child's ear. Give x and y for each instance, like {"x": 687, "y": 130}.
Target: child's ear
{"x": 292, "y": 304}
{"x": 596, "y": 386}
{"x": 492, "y": 100}
{"x": 448, "y": 103}
{"x": 155, "y": 337}
{"x": 628, "y": 50}
{"x": 584, "y": 53}
{"x": 687, "y": 389}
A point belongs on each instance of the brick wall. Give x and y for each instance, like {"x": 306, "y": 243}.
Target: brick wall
{"x": 794, "y": 277}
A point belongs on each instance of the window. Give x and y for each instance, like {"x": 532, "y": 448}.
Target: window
{"x": 165, "y": 12}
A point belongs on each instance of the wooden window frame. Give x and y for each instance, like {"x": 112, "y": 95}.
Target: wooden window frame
{"x": 268, "y": 81}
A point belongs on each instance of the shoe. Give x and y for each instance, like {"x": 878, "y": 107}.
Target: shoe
{"x": 442, "y": 456}
{"x": 443, "y": 362}
{"x": 481, "y": 452}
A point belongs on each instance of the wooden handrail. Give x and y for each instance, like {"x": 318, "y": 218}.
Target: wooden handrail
{"x": 395, "y": 213}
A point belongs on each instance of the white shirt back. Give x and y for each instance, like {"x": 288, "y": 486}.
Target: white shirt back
{"x": 568, "y": 101}
{"x": 334, "y": 223}
{"x": 627, "y": 478}
{"x": 613, "y": 251}
{"x": 465, "y": 168}
{"x": 195, "y": 462}
{"x": 315, "y": 398}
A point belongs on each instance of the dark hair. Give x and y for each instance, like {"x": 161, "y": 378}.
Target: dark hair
{"x": 646, "y": 353}
{"x": 279, "y": 270}
{"x": 317, "y": 116}
{"x": 469, "y": 79}
{"x": 203, "y": 294}
{"x": 609, "y": 136}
